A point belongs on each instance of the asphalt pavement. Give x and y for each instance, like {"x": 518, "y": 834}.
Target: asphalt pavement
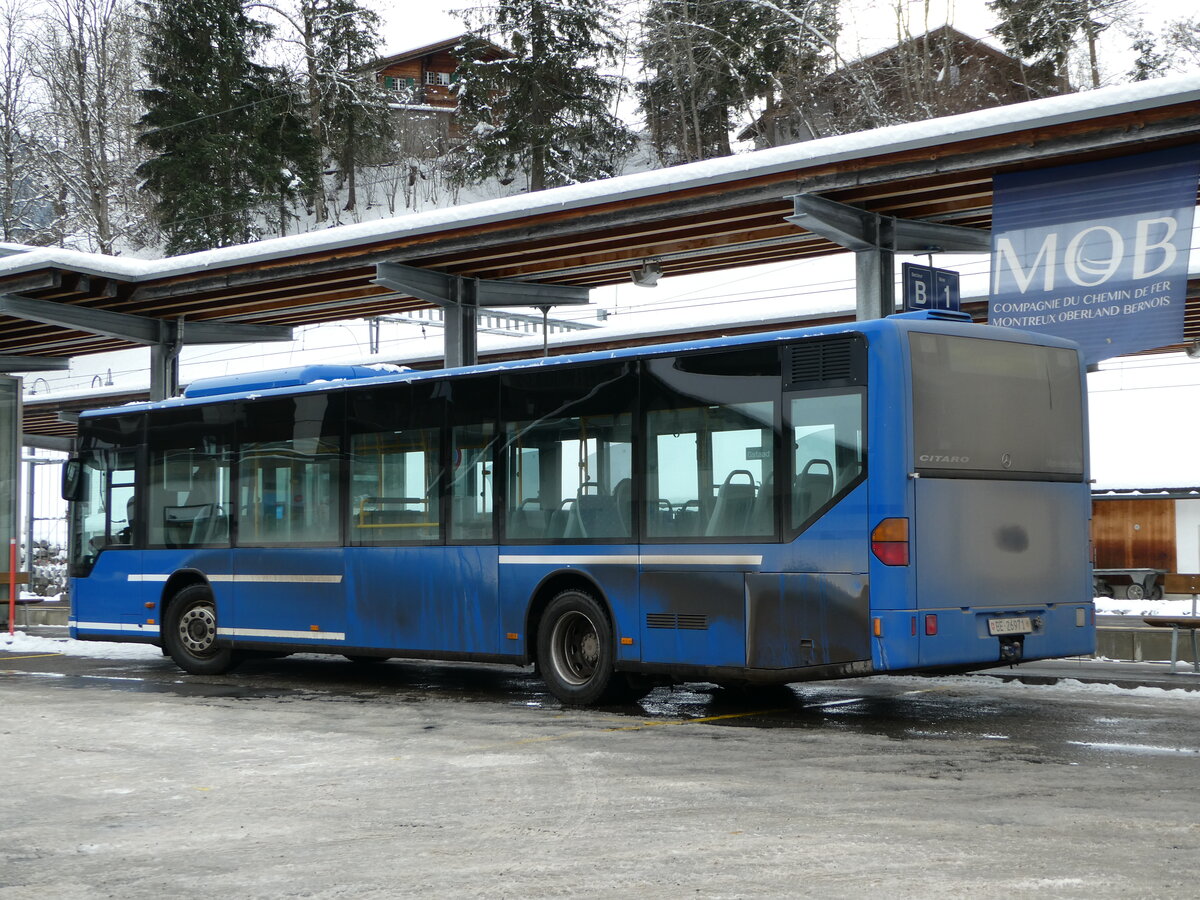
{"x": 1088, "y": 670}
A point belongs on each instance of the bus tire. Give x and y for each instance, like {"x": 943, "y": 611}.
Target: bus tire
{"x": 575, "y": 648}
{"x": 190, "y": 633}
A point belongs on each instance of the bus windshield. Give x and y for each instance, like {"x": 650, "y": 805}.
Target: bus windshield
{"x": 995, "y": 409}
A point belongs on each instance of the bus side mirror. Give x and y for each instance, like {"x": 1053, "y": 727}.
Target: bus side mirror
{"x": 72, "y": 480}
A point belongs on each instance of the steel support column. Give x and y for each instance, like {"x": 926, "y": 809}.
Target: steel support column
{"x": 875, "y": 240}
{"x": 165, "y": 337}
{"x": 463, "y": 297}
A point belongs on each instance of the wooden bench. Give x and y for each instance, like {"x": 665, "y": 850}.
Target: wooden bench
{"x": 1177, "y": 624}
{"x": 22, "y": 602}
{"x": 1180, "y": 584}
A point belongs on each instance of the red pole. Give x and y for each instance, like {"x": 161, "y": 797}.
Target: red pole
{"x": 12, "y": 583}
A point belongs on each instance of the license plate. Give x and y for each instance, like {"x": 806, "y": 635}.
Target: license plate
{"x": 1015, "y": 625}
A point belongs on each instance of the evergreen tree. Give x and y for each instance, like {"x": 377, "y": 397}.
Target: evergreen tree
{"x": 354, "y": 116}
{"x": 1048, "y": 30}
{"x": 1151, "y": 61}
{"x": 707, "y": 61}
{"x": 346, "y": 109}
{"x": 222, "y": 128}
{"x": 691, "y": 82}
{"x": 545, "y": 109}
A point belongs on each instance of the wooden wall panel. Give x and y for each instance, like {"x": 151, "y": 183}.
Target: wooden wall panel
{"x": 1134, "y": 534}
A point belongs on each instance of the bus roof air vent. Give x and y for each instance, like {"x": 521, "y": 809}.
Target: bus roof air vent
{"x": 296, "y": 376}
{"x": 826, "y": 362}
{"x": 948, "y": 315}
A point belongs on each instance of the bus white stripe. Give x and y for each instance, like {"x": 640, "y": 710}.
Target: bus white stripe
{"x": 254, "y": 579}
{"x": 686, "y": 560}
{"x": 647, "y": 559}
{"x": 294, "y": 635}
{"x": 117, "y": 626}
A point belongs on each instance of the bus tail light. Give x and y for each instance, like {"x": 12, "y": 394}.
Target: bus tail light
{"x": 889, "y": 542}
{"x": 931, "y": 624}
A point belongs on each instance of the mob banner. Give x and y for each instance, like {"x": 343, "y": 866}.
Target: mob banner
{"x": 1098, "y": 252}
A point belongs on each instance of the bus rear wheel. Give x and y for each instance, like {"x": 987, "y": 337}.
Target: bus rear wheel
{"x": 575, "y": 648}
{"x": 190, "y": 633}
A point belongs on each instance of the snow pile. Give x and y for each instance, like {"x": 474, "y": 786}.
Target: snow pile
{"x": 1063, "y": 685}
{"x": 1120, "y": 606}
{"x": 20, "y": 642}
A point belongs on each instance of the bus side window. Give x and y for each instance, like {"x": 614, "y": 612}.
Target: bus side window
{"x": 394, "y": 486}
{"x": 289, "y": 475}
{"x": 189, "y": 495}
{"x": 827, "y": 449}
{"x": 471, "y": 482}
{"x": 711, "y": 444}
{"x": 710, "y": 472}
{"x": 569, "y": 449}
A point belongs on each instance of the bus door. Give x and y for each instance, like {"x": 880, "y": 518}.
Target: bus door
{"x": 712, "y": 433}
{"x": 999, "y": 534}
{"x": 408, "y": 590}
{"x": 288, "y": 578}
{"x": 780, "y": 484}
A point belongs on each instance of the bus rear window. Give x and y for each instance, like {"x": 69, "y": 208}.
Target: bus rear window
{"x": 995, "y": 409}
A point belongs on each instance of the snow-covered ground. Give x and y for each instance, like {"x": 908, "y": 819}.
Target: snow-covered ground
{"x": 1120, "y": 606}
{"x": 20, "y": 642}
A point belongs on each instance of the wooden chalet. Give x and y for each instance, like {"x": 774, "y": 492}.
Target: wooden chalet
{"x": 940, "y": 73}
{"x": 423, "y": 81}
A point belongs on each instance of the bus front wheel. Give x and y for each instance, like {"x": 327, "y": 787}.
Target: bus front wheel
{"x": 190, "y": 633}
{"x": 575, "y": 648}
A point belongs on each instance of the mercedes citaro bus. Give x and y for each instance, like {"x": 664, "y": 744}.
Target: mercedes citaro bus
{"x": 899, "y": 495}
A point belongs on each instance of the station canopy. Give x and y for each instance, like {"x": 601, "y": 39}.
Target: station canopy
{"x": 706, "y": 216}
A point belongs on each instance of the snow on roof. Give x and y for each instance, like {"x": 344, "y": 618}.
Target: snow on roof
{"x": 1146, "y": 493}
{"x": 891, "y": 139}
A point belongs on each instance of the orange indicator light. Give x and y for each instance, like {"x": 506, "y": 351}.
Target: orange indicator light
{"x": 627, "y": 641}
{"x": 878, "y": 627}
{"x": 512, "y": 636}
{"x": 150, "y": 606}
{"x": 314, "y": 627}
{"x": 889, "y": 542}
{"x": 149, "y": 621}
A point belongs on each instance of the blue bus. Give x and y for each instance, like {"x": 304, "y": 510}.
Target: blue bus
{"x": 907, "y": 494}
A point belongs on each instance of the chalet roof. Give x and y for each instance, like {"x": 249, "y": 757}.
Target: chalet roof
{"x": 943, "y": 33}
{"x": 437, "y": 47}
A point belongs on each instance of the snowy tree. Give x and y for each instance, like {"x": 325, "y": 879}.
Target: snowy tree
{"x": 24, "y": 201}
{"x": 708, "y": 61}
{"x": 333, "y": 42}
{"x": 1175, "y": 48}
{"x": 1183, "y": 43}
{"x": 82, "y": 58}
{"x": 354, "y": 112}
{"x": 1151, "y": 60}
{"x": 1048, "y": 30}
{"x": 546, "y": 109}
{"x": 227, "y": 139}
{"x": 691, "y": 85}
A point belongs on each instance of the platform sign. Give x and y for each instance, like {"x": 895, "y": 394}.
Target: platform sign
{"x": 925, "y": 287}
{"x": 1096, "y": 252}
